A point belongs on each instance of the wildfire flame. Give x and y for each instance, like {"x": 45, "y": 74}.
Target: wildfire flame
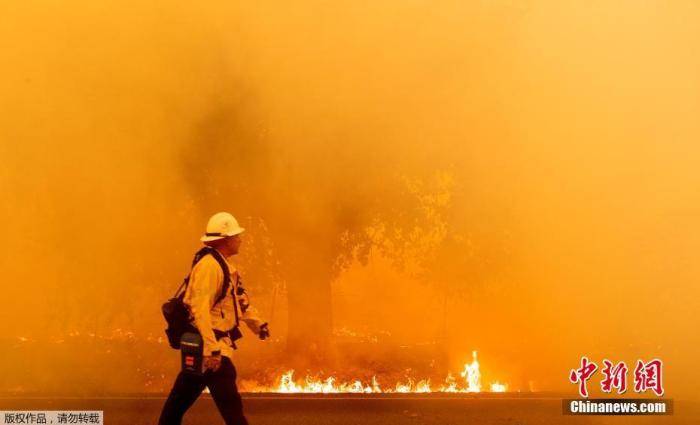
{"x": 472, "y": 375}
{"x": 497, "y": 387}
{"x": 471, "y": 384}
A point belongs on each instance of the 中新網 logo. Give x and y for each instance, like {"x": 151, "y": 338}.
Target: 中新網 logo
{"x": 647, "y": 376}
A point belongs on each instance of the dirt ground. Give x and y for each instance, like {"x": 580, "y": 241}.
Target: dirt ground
{"x": 366, "y": 410}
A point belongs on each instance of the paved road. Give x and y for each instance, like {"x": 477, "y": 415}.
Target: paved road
{"x": 354, "y": 410}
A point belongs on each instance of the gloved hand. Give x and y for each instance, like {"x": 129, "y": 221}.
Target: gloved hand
{"x": 264, "y": 332}
{"x": 212, "y": 362}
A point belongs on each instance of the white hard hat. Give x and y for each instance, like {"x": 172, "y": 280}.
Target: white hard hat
{"x": 221, "y": 225}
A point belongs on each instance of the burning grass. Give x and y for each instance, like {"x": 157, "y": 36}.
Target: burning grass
{"x": 470, "y": 382}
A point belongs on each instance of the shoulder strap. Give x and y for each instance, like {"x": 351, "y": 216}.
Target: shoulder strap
{"x": 227, "y": 275}
{"x": 224, "y": 268}
{"x": 235, "y": 294}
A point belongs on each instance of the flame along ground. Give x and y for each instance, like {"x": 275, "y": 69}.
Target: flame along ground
{"x": 470, "y": 383}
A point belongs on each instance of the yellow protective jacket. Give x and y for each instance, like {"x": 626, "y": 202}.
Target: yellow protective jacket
{"x": 205, "y": 285}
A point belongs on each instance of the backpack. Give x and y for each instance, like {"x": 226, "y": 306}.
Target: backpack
{"x": 176, "y": 313}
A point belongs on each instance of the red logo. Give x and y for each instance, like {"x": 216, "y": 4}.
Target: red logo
{"x": 582, "y": 375}
{"x": 615, "y": 377}
{"x": 189, "y": 361}
{"x": 647, "y": 376}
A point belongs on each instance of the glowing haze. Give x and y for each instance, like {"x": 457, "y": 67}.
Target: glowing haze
{"x": 514, "y": 177}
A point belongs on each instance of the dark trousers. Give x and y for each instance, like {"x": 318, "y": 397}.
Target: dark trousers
{"x": 222, "y": 386}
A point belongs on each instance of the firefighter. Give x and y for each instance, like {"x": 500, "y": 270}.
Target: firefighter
{"x": 217, "y": 323}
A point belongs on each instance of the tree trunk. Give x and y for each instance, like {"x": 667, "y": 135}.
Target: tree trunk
{"x": 310, "y": 325}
